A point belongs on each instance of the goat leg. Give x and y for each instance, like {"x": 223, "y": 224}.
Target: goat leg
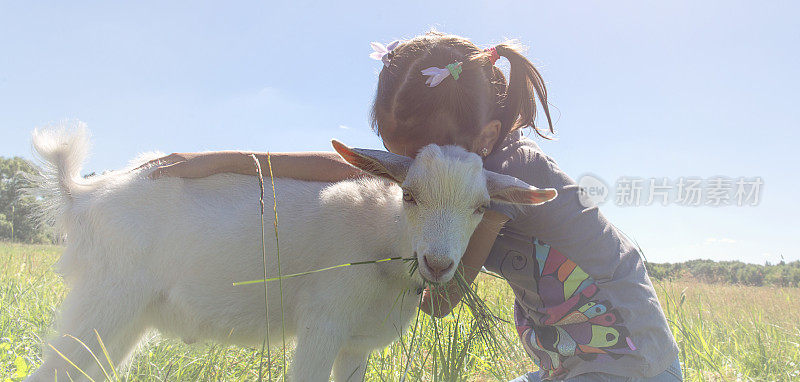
{"x": 115, "y": 315}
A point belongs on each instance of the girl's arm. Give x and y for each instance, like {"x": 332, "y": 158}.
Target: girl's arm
{"x": 315, "y": 166}
{"x": 442, "y": 300}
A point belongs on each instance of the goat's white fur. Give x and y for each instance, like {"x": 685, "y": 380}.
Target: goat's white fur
{"x": 164, "y": 254}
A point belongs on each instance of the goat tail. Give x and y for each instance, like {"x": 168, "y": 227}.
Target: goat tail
{"x": 61, "y": 150}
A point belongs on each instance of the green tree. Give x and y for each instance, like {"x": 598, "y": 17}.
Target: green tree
{"x": 17, "y": 210}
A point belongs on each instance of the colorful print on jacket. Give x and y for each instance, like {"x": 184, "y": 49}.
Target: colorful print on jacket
{"x": 573, "y": 321}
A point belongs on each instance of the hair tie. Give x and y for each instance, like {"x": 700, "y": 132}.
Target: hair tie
{"x": 493, "y": 55}
{"x": 454, "y": 69}
{"x": 383, "y": 53}
{"x": 437, "y": 75}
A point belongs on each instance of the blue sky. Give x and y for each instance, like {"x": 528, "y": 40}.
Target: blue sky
{"x": 642, "y": 89}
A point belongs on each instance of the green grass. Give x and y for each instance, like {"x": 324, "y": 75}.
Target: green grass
{"x": 725, "y": 332}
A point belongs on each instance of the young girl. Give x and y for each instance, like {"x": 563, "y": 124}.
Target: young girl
{"x": 585, "y": 309}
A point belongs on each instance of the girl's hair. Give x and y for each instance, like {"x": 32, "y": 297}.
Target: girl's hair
{"x": 405, "y": 107}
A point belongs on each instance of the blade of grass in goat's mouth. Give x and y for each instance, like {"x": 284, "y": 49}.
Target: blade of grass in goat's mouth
{"x": 238, "y": 283}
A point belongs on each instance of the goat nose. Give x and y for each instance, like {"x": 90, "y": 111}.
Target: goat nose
{"x": 438, "y": 266}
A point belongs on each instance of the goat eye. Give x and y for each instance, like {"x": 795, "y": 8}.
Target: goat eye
{"x": 481, "y": 209}
{"x": 407, "y": 197}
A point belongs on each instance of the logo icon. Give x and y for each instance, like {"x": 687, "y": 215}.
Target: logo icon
{"x": 592, "y": 191}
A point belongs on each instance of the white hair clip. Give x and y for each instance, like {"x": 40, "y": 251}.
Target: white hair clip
{"x": 382, "y": 53}
{"x": 437, "y": 75}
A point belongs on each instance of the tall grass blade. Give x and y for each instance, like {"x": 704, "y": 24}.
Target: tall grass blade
{"x": 278, "y": 255}
{"x": 102, "y": 368}
{"x": 71, "y": 363}
{"x": 238, "y": 283}
{"x": 265, "y": 343}
{"x": 108, "y": 358}
{"x": 410, "y": 355}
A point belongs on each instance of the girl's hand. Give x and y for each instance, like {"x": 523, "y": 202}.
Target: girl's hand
{"x": 182, "y": 165}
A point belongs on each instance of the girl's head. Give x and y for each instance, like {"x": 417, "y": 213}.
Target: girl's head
{"x": 476, "y": 111}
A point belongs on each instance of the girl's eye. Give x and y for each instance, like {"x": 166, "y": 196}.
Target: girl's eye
{"x": 481, "y": 209}
{"x": 407, "y": 197}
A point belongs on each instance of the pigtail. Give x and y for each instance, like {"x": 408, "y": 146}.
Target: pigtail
{"x": 525, "y": 84}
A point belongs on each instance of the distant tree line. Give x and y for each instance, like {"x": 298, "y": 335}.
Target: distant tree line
{"x": 782, "y": 274}
{"x": 17, "y": 210}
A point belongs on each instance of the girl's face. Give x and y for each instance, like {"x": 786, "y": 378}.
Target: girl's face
{"x": 445, "y": 135}
{"x": 405, "y": 148}
{"x": 440, "y": 130}
{"x": 411, "y": 148}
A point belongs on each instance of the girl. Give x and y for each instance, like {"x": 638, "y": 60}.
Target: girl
{"x": 585, "y": 308}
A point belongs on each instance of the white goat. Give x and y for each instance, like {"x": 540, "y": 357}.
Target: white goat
{"x": 165, "y": 253}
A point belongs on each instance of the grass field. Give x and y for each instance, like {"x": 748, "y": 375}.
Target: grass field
{"x": 725, "y": 332}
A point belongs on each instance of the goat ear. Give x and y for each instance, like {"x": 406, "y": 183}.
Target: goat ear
{"x": 508, "y": 189}
{"x": 379, "y": 163}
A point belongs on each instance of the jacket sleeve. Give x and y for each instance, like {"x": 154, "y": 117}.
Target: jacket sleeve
{"x": 581, "y": 233}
